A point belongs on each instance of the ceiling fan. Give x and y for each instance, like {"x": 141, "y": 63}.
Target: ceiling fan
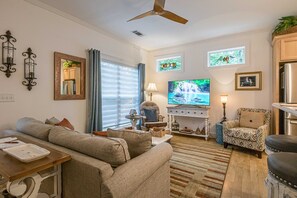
{"x": 159, "y": 10}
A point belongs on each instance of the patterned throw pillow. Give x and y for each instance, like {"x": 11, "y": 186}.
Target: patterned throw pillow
{"x": 251, "y": 119}
{"x": 151, "y": 115}
{"x": 65, "y": 123}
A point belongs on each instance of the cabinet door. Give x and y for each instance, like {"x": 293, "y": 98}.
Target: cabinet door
{"x": 289, "y": 49}
{"x": 72, "y": 73}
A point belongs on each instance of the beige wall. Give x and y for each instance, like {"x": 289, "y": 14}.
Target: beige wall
{"x": 46, "y": 32}
{"x": 222, "y": 79}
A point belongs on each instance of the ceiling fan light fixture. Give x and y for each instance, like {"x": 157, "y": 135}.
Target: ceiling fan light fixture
{"x": 160, "y": 11}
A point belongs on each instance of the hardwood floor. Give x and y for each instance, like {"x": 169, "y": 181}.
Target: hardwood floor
{"x": 246, "y": 172}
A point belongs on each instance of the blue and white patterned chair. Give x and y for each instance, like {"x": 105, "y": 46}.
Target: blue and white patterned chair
{"x": 249, "y": 130}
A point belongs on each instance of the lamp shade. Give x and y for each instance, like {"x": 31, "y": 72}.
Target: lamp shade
{"x": 151, "y": 87}
{"x": 224, "y": 98}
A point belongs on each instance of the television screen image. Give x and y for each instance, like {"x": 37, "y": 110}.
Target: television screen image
{"x": 189, "y": 92}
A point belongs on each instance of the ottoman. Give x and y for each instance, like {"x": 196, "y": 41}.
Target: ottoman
{"x": 280, "y": 143}
{"x": 282, "y": 175}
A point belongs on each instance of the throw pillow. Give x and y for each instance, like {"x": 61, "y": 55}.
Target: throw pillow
{"x": 251, "y": 119}
{"x": 65, "y": 123}
{"x": 100, "y": 133}
{"x": 151, "y": 115}
{"x": 138, "y": 141}
{"x": 52, "y": 121}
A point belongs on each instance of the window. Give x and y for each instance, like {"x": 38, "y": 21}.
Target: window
{"x": 173, "y": 63}
{"x": 119, "y": 93}
{"x": 225, "y": 57}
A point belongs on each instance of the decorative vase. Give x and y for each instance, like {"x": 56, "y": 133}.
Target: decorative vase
{"x": 175, "y": 126}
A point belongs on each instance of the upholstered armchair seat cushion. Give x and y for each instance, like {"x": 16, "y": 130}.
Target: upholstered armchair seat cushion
{"x": 243, "y": 133}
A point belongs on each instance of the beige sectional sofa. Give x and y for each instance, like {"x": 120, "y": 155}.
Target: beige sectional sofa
{"x": 101, "y": 167}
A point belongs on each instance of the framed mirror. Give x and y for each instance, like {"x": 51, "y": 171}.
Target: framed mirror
{"x": 70, "y": 73}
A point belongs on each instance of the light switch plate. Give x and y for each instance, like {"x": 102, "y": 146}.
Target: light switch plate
{"x": 6, "y": 97}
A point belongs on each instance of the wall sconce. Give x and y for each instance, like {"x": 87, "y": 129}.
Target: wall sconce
{"x": 150, "y": 89}
{"x": 8, "y": 54}
{"x": 224, "y": 99}
{"x": 29, "y": 69}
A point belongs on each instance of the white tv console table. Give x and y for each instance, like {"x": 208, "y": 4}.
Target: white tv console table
{"x": 189, "y": 111}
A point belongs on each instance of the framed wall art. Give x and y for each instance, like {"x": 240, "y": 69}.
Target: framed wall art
{"x": 248, "y": 81}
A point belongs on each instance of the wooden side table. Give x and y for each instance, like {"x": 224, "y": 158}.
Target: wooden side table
{"x": 16, "y": 172}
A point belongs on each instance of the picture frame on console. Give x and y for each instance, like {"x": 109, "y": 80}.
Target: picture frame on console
{"x": 248, "y": 81}
{"x": 70, "y": 74}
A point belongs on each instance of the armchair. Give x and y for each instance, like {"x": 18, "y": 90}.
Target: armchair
{"x": 249, "y": 130}
{"x": 152, "y": 116}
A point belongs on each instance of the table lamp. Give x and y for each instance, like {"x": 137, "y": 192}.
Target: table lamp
{"x": 150, "y": 89}
{"x": 224, "y": 99}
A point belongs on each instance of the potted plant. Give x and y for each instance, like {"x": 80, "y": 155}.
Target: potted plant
{"x": 287, "y": 24}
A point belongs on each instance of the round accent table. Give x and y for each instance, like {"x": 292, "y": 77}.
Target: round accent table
{"x": 133, "y": 119}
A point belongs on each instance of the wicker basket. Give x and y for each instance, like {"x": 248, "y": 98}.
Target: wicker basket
{"x": 158, "y": 132}
{"x": 288, "y": 31}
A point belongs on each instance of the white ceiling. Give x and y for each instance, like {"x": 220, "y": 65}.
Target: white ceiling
{"x": 207, "y": 18}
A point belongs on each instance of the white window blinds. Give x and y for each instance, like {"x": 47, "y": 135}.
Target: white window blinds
{"x": 119, "y": 93}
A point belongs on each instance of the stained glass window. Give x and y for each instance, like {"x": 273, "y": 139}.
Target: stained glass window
{"x": 170, "y": 64}
{"x": 231, "y": 56}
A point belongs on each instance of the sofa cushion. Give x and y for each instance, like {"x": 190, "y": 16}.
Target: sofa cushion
{"x": 251, "y": 119}
{"x": 52, "y": 121}
{"x": 138, "y": 141}
{"x": 33, "y": 127}
{"x": 242, "y": 133}
{"x": 111, "y": 150}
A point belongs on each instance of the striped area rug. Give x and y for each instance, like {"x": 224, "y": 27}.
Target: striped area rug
{"x": 198, "y": 170}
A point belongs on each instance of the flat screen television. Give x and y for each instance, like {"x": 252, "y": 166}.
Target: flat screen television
{"x": 189, "y": 92}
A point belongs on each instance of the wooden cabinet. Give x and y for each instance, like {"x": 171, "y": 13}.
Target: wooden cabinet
{"x": 288, "y": 49}
{"x": 70, "y": 73}
{"x": 284, "y": 51}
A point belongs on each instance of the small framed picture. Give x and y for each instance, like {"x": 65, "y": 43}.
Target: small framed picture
{"x": 248, "y": 81}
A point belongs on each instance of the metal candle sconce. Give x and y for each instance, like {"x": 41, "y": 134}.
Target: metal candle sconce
{"x": 8, "y": 54}
{"x": 29, "y": 69}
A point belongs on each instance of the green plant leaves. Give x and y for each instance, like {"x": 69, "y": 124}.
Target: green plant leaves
{"x": 285, "y": 23}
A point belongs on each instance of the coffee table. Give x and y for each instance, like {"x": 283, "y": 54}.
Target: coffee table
{"x": 159, "y": 140}
{"x": 15, "y": 172}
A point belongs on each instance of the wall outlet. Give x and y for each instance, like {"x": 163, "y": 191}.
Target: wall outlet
{"x": 6, "y": 97}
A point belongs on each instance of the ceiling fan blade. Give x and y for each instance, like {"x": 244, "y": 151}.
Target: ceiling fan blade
{"x": 159, "y": 5}
{"x": 149, "y": 13}
{"x": 171, "y": 16}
